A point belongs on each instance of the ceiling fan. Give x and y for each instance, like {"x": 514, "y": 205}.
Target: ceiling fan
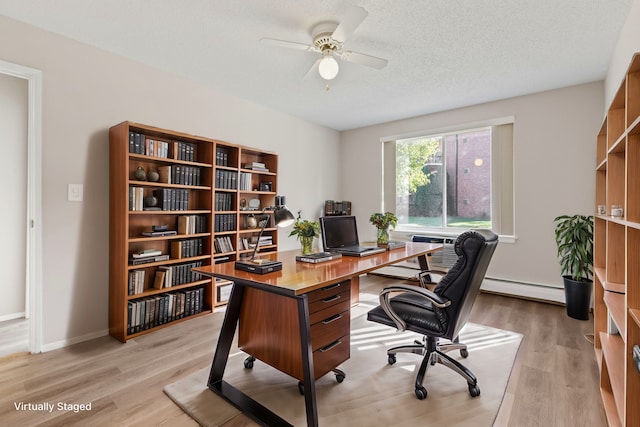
{"x": 328, "y": 40}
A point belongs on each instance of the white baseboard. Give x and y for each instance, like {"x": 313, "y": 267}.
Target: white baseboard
{"x": 64, "y": 343}
{"x": 12, "y": 316}
{"x": 527, "y": 290}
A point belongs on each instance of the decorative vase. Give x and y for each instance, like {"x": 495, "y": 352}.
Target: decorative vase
{"x": 307, "y": 243}
{"x": 382, "y": 236}
{"x": 153, "y": 176}
{"x": 140, "y": 174}
{"x": 252, "y": 222}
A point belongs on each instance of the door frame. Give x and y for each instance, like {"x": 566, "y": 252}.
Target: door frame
{"x": 33, "y": 306}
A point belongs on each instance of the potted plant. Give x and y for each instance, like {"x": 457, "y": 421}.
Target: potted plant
{"x": 306, "y": 231}
{"x": 383, "y": 221}
{"x": 574, "y": 238}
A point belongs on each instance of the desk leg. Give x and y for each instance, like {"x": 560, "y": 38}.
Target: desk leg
{"x": 225, "y": 340}
{"x": 307, "y": 363}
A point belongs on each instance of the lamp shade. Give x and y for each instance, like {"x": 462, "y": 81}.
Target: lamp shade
{"x": 328, "y": 67}
{"x": 282, "y": 216}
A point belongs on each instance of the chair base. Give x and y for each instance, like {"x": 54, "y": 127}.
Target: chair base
{"x": 433, "y": 353}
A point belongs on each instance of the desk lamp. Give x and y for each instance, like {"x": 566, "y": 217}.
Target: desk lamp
{"x": 282, "y": 217}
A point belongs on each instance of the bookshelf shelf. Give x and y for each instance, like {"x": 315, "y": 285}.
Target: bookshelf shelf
{"x": 196, "y": 195}
{"x": 617, "y": 252}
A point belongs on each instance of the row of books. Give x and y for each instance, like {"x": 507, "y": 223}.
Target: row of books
{"x": 186, "y": 151}
{"x": 244, "y": 181}
{"x": 156, "y": 310}
{"x": 223, "y": 244}
{"x": 222, "y": 156}
{"x": 224, "y": 222}
{"x": 140, "y": 144}
{"x": 226, "y": 179}
{"x": 172, "y": 199}
{"x": 177, "y": 274}
{"x": 136, "y": 282}
{"x": 192, "y": 224}
{"x": 166, "y": 276}
{"x": 180, "y": 174}
{"x": 223, "y": 202}
{"x": 186, "y": 248}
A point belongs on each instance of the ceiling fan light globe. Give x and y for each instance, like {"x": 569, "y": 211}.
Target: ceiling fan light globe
{"x": 328, "y": 68}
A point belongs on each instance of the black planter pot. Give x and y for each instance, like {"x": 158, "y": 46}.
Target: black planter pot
{"x": 577, "y": 296}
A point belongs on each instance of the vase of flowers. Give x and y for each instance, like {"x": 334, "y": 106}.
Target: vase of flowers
{"x": 306, "y": 231}
{"x": 383, "y": 221}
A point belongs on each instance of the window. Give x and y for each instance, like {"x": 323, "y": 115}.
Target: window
{"x": 452, "y": 181}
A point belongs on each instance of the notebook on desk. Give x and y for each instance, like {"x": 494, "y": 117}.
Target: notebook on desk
{"x": 340, "y": 235}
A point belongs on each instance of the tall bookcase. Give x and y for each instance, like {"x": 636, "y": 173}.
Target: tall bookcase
{"x": 210, "y": 196}
{"x": 617, "y": 252}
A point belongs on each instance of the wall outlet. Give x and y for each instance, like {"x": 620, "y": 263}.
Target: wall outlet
{"x": 75, "y": 192}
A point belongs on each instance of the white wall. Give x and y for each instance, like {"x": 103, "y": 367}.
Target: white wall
{"x": 13, "y": 193}
{"x": 85, "y": 91}
{"x": 554, "y": 167}
{"x": 628, "y": 44}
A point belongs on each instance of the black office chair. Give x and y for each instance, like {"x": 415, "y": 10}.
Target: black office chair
{"x": 441, "y": 313}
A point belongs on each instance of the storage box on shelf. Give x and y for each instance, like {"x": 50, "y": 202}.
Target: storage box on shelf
{"x": 617, "y": 252}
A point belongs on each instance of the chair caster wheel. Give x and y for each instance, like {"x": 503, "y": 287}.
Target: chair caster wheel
{"x": 464, "y": 353}
{"x": 248, "y": 362}
{"x": 340, "y": 377}
{"x": 392, "y": 359}
{"x": 301, "y": 388}
{"x": 421, "y": 393}
{"x": 474, "y": 390}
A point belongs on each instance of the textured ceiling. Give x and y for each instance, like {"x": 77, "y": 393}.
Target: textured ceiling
{"x": 442, "y": 54}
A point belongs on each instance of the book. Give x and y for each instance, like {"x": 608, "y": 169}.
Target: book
{"x": 146, "y": 260}
{"x": 147, "y": 253}
{"x": 159, "y": 280}
{"x": 393, "y": 244}
{"x": 159, "y": 233}
{"x": 318, "y": 257}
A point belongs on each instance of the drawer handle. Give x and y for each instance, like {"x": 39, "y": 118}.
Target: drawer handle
{"x": 330, "y": 346}
{"x": 333, "y": 298}
{"x": 332, "y": 319}
{"x": 334, "y": 286}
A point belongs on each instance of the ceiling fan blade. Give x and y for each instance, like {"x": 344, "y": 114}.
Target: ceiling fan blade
{"x": 314, "y": 68}
{"x": 289, "y": 45}
{"x": 355, "y": 16}
{"x": 362, "y": 59}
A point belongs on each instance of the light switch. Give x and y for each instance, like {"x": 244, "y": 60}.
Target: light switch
{"x": 74, "y": 192}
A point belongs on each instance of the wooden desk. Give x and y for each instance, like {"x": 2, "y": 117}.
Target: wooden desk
{"x": 296, "y": 320}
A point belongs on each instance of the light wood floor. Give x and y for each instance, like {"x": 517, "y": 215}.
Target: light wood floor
{"x": 14, "y": 336}
{"x": 554, "y": 381}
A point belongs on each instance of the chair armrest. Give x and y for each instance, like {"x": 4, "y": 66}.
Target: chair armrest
{"x": 435, "y": 299}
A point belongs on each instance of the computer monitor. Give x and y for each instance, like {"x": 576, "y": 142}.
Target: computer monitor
{"x": 339, "y": 231}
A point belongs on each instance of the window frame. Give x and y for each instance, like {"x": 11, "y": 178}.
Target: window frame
{"x": 502, "y": 176}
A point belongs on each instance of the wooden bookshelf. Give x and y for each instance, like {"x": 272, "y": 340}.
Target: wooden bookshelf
{"x": 617, "y": 252}
{"x": 190, "y": 185}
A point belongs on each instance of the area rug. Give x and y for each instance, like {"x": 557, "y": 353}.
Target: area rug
{"x": 374, "y": 393}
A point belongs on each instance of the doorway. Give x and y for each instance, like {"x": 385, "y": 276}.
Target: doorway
{"x": 24, "y": 301}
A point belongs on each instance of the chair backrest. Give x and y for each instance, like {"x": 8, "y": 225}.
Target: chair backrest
{"x": 462, "y": 283}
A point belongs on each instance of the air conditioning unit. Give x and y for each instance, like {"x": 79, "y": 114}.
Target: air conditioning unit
{"x": 440, "y": 260}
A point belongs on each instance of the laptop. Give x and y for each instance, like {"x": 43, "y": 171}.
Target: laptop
{"x": 340, "y": 234}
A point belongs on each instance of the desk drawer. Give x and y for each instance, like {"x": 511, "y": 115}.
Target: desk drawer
{"x": 331, "y": 328}
{"x": 326, "y": 358}
{"x": 328, "y": 301}
{"x": 324, "y": 311}
{"x": 328, "y": 291}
